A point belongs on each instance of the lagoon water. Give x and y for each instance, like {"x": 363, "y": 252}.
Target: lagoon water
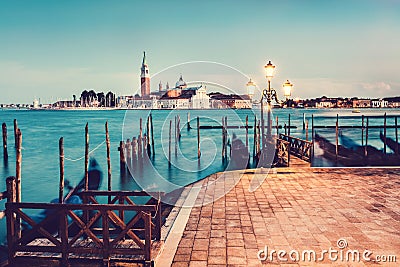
{"x": 42, "y": 129}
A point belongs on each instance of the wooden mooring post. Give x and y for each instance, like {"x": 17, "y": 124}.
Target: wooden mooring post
{"x": 258, "y": 137}
{"x": 337, "y": 137}
{"x": 397, "y": 136}
{"x": 140, "y": 141}
{"x": 223, "y": 138}
{"x": 384, "y": 133}
{"x": 226, "y": 138}
{"x": 169, "y": 141}
{"x": 144, "y": 139}
{"x": 198, "y": 138}
{"x": 128, "y": 154}
{"x": 122, "y": 162}
{"x": 87, "y": 157}
{"x": 188, "y": 121}
{"x": 108, "y": 161}
{"x": 15, "y": 133}
{"x": 61, "y": 184}
{"x": 18, "y": 171}
{"x": 18, "y": 164}
{"x": 289, "y": 124}
{"x": 148, "y": 148}
{"x": 366, "y": 139}
{"x": 179, "y": 128}
{"x": 304, "y": 121}
{"x": 277, "y": 126}
{"x": 4, "y": 131}
{"x": 247, "y": 131}
{"x": 10, "y": 217}
{"x": 362, "y": 130}
{"x": 134, "y": 144}
{"x": 312, "y": 138}
{"x": 255, "y": 136}
{"x": 176, "y": 136}
{"x": 306, "y": 130}
{"x": 152, "y": 134}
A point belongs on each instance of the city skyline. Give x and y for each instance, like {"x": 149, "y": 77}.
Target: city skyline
{"x": 52, "y": 50}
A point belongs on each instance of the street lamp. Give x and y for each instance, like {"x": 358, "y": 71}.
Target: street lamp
{"x": 287, "y": 87}
{"x": 270, "y": 94}
{"x": 251, "y": 86}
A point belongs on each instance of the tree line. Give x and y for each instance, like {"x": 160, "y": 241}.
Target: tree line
{"x": 91, "y": 98}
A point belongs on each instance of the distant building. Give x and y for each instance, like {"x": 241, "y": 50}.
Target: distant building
{"x": 64, "y": 104}
{"x": 35, "y": 104}
{"x": 183, "y": 97}
{"x": 325, "y": 102}
{"x": 361, "y": 103}
{"x": 379, "y": 103}
{"x": 221, "y": 101}
{"x": 393, "y": 102}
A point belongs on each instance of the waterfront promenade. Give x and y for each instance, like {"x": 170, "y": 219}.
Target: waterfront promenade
{"x": 294, "y": 209}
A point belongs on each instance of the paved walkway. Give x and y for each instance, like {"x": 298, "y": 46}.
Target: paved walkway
{"x": 294, "y": 209}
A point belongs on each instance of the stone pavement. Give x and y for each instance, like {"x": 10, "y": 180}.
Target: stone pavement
{"x": 294, "y": 209}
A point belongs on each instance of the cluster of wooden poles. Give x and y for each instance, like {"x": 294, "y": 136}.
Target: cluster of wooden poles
{"x": 136, "y": 148}
{"x": 18, "y": 148}
{"x": 17, "y": 132}
{"x": 87, "y": 152}
{"x": 18, "y": 162}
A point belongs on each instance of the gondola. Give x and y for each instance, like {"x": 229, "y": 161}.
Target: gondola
{"x": 348, "y": 142}
{"x": 239, "y": 153}
{"x": 345, "y": 157}
{"x": 356, "y": 155}
{"x": 392, "y": 144}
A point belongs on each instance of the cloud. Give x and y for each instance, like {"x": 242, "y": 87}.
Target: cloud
{"x": 381, "y": 86}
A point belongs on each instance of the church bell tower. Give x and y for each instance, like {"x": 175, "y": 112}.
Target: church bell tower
{"x": 144, "y": 77}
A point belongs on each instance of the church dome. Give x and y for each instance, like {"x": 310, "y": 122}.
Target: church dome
{"x": 180, "y": 83}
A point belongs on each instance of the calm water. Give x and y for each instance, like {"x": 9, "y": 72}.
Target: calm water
{"x": 42, "y": 129}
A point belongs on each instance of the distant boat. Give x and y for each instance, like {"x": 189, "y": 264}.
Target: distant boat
{"x": 355, "y": 111}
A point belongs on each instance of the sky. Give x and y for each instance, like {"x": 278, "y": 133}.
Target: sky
{"x": 54, "y": 49}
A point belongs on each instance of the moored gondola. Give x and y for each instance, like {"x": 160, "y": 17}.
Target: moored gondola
{"x": 392, "y": 144}
{"x": 356, "y": 156}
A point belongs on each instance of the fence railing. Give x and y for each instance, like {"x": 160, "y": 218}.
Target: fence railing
{"x": 298, "y": 147}
{"x": 283, "y": 155}
{"x": 89, "y": 230}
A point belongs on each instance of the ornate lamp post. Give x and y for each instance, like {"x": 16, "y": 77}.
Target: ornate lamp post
{"x": 270, "y": 94}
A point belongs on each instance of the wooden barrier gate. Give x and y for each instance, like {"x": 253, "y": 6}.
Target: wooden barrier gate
{"x": 288, "y": 145}
{"x": 89, "y": 231}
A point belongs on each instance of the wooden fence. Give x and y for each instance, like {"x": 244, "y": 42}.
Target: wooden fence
{"x": 282, "y": 150}
{"x": 91, "y": 230}
{"x": 298, "y": 147}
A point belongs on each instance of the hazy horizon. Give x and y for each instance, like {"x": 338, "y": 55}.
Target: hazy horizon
{"x": 52, "y": 49}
